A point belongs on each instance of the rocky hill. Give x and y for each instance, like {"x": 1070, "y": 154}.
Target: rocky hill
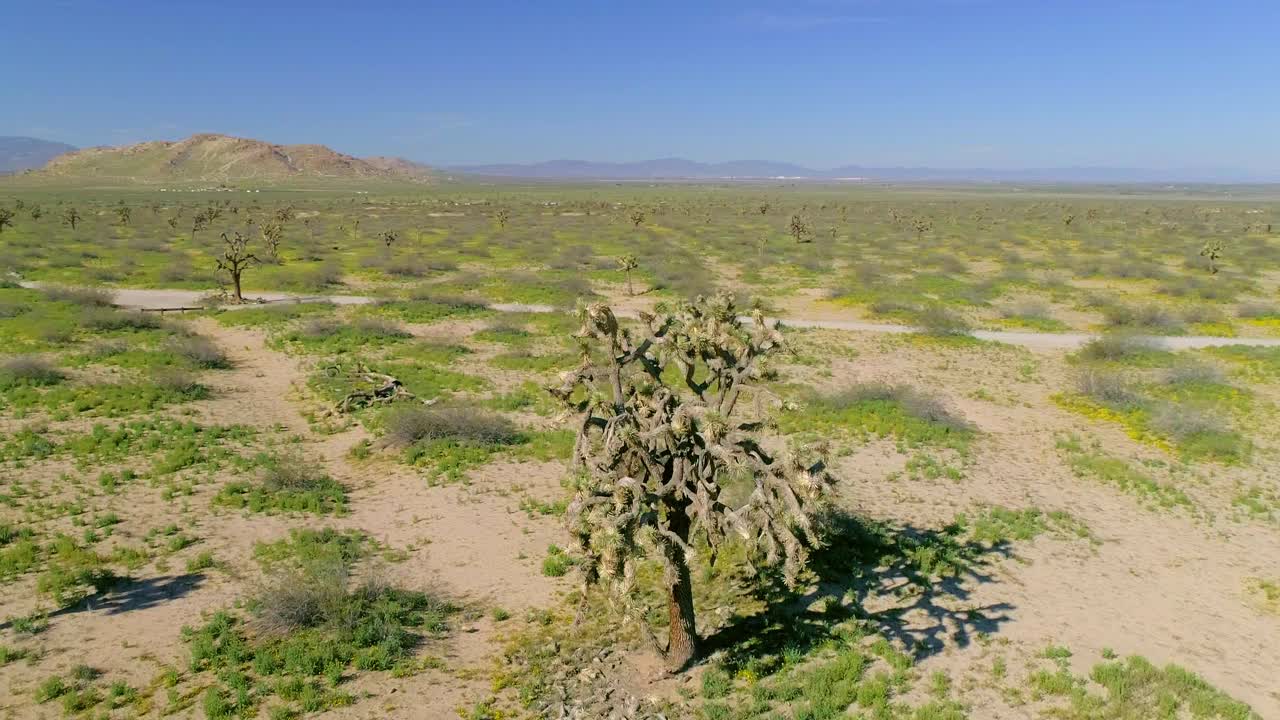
{"x": 211, "y": 158}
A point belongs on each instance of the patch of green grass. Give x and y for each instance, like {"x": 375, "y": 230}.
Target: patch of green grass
{"x": 1266, "y": 593}
{"x": 12, "y": 654}
{"x": 557, "y": 563}
{"x": 305, "y": 634}
{"x": 272, "y": 315}
{"x": 73, "y": 572}
{"x": 879, "y": 411}
{"x": 1092, "y": 463}
{"x": 1259, "y": 364}
{"x": 995, "y": 525}
{"x": 528, "y": 397}
{"x": 306, "y": 546}
{"x": 104, "y": 400}
{"x": 431, "y": 309}
{"x": 530, "y": 361}
{"x": 288, "y": 483}
{"x": 1135, "y": 688}
{"x": 333, "y": 336}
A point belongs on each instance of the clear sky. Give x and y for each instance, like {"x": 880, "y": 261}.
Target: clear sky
{"x": 947, "y": 83}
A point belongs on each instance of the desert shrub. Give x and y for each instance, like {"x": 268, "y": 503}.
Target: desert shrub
{"x": 1105, "y": 385}
{"x": 307, "y": 627}
{"x": 1201, "y": 313}
{"x": 29, "y": 371}
{"x": 87, "y": 297}
{"x": 1116, "y": 347}
{"x": 938, "y": 320}
{"x": 1258, "y": 311}
{"x": 199, "y": 351}
{"x": 1199, "y": 433}
{"x": 1033, "y": 308}
{"x": 408, "y": 425}
{"x": 107, "y": 319}
{"x": 290, "y": 471}
{"x": 288, "y": 482}
{"x": 505, "y": 332}
{"x": 179, "y": 383}
{"x": 1149, "y": 316}
{"x": 1193, "y": 372}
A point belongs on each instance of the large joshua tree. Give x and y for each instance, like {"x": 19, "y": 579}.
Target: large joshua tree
{"x": 655, "y": 456}
{"x": 235, "y": 259}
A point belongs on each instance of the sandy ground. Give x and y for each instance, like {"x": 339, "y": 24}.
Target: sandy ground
{"x": 468, "y": 541}
{"x": 1161, "y": 584}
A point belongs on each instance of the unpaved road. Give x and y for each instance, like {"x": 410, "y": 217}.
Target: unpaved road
{"x": 154, "y": 299}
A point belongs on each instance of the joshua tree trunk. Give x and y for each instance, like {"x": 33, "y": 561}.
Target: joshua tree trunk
{"x": 235, "y": 280}
{"x": 682, "y": 642}
{"x": 630, "y": 289}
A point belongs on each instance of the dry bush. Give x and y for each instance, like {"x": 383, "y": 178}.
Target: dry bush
{"x": 1202, "y": 313}
{"x": 1153, "y": 316}
{"x": 938, "y": 320}
{"x": 290, "y": 471}
{"x": 179, "y": 381}
{"x": 408, "y": 425}
{"x": 105, "y": 319}
{"x": 199, "y": 351}
{"x": 1107, "y": 386}
{"x": 1181, "y": 422}
{"x": 1026, "y": 308}
{"x": 1253, "y": 310}
{"x": 302, "y": 598}
{"x": 913, "y": 401}
{"x": 88, "y": 297}
{"x": 1116, "y": 346}
{"x": 29, "y": 370}
{"x": 1191, "y": 372}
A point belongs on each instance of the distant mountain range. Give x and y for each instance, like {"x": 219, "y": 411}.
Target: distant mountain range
{"x": 681, "y": 169}
{"x": 212, "y": 158}
{"x": 25, "y": 153}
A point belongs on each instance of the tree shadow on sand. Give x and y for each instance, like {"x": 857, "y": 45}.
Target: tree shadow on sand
{"x": 904, "y": 583}
{"x": 124, "y": 595}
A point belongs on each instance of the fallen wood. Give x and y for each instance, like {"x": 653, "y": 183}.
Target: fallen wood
{"x": 384, "y": 389}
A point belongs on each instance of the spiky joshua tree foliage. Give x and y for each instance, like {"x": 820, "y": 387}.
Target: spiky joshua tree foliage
{"x": 661, "y": 446}
{"x": 236, "y": 258}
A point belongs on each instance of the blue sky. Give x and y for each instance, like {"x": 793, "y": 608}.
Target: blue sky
{"x": 948, "y": 83}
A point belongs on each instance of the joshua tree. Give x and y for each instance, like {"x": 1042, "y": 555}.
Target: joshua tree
{"x": 921, "y": 226}
{"x": 654, "y": 456}
{"x": 502, "y": 216}
{"x": 173, "y": 223}
{"x": 6, "y": 218}
{"x": 626, "y": 264}
{"x": 389, "y": 237}
{"x": 199, "y": 222}
{"x": 235, "y": 259}
{"x": 1212, "y": 251}
{"x": 637, "y": 218}
{"x": 764, "y": 208}
{"x": 71, "y": 216}
{"x": 272, "y": 234}
{"x": 284, "y": 214}
{"x": 36, "y": 212}
{"x": 799, "y": 229}
{"x": 123, "y": 213}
